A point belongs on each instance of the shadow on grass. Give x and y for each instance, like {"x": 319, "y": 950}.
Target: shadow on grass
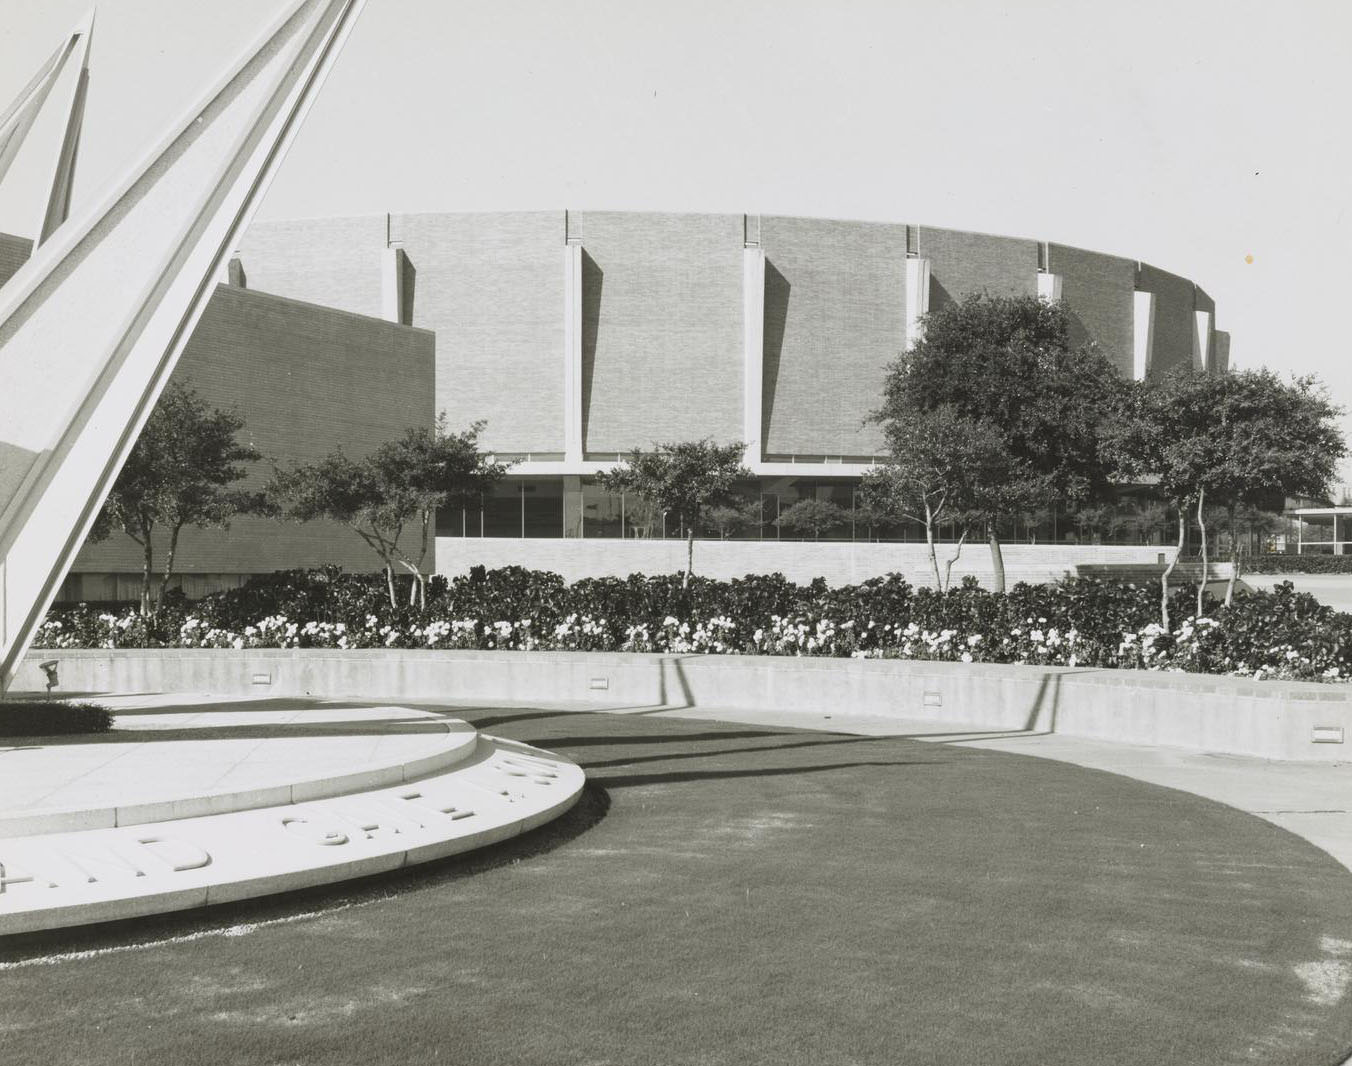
{"x": 678, "y": 777}
{"x": 712, "y": 753}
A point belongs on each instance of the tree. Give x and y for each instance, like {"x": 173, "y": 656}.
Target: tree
{"x": 180, "y": 472}
{"x": 1227, "y": 440}
{"x": 811, "y": 516}
{"x": 944, "y": 467}
{"x": 402, "y": 481}
{"x": 1008, "y": 364}
{"x": 684, "y": 480}
{"x": 730, "y": 519}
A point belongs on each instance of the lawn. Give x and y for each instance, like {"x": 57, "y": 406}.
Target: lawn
{"x": 729, "y": 894}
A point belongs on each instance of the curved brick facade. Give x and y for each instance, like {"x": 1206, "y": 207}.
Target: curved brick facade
{"x": 660, "y": 346}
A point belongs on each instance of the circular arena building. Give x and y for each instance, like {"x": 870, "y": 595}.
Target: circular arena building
{"x": 576, "y": 336}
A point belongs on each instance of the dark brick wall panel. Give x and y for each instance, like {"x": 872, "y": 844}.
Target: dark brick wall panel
{"x": 1220, "y": 352}
{"x": 306, "y": 380}
{"x": 491, "y": 287}
{"x": 965, "y": 263}
{"x": 1098, "y": 291}
{"x": 1174, "y": 322}
{"x": 14, "y": 253}
{"x": 662, "y": 339}
{"x": 835, "y": 317}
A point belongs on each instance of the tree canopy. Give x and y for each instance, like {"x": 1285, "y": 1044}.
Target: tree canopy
{"x": 685, "y": 480}
{"x": 943, "y": 467}
{"x": 182, "y": 471}
{"x": 401, "y": 482}
{"x": 1003, "y": 370}
{"x": 1230, "y": 439}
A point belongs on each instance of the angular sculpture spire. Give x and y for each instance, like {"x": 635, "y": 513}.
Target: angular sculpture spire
{"x": 93, "y": 324}
{"x": 23, "y": 112}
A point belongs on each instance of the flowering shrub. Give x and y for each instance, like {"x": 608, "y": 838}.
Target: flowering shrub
{"x": 1079, "y": 622}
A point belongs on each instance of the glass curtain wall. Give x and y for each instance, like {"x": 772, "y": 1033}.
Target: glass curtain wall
{"x": 573, "y": 507}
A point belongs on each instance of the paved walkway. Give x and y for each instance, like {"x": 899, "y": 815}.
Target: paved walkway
{"x": 171, "y": 749}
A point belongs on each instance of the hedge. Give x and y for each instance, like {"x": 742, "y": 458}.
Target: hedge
{"x": 1081, "y": 621}
{"x": 1300, "y": 564}
{"x": 47, "y": 718}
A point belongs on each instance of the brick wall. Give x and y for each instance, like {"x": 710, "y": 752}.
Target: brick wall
{"x": 491, "y": 287}
{"x": 306, "y": 380}
{"x": 1098, "y": 289}
{"x": 662, "y": 328}
{"x": 330, "y": 261}
{"x": 1175, "y": 303}
{"x": 1220, "y": 351}
{"x": 835, "y": 317}
{"x": 965, "y": 263}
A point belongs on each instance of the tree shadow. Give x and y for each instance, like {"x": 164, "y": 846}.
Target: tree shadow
{"x": 686, "y": 776}
{"x": 590, "y": 764}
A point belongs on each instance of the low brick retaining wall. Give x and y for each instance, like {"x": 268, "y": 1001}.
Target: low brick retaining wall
{"x": 1270, "y": 719}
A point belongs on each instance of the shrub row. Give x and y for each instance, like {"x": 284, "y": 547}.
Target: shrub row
{"x": 1300, "y": 564}
{"x": 47, "y": 718}
{"x": 1081, "y": 621}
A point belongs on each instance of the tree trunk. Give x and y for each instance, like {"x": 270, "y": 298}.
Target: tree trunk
{"x": 1234, "y": 576}
{"x": 148, "y": 553}
{"x": 389, "y": 582}
{"x": 1201, "y": 525}
{"x": 948, "y": 566}
{"x": 422, "y": 558}
{"x": 689, "y": 556}
{"x": 1164, "y": 578}
{"x": 169, "y": 561}
{"x": 997, "y": 558}
{"x": 933, "y": 558}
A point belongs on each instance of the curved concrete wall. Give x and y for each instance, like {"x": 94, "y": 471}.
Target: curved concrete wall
{"x": 1274, "y": 720}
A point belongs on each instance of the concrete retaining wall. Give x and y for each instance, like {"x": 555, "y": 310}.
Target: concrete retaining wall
{"x": 839, "y": 562}
{"x": 1276, "y": 720}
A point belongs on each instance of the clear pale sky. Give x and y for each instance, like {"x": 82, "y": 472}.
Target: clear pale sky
{"x": 1189, "y": 133}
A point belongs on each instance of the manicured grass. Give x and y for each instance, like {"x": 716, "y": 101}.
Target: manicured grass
{"x": 729, "y": 894}
{"x": 47, "y": 718}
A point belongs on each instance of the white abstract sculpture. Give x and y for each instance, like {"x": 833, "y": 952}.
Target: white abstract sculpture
{"x": 93, "y": 324}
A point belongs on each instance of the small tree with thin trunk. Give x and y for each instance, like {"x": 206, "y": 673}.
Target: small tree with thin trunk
{"x": 730, "y": 519}
{"x": 811, "y": 517}
{"x": 685, "y": 480}
{"x": 945, "y": 466}
{"x": 1218, "y": 440}
{"x": 181, "y": 472}
{"x": 401, "y": 483}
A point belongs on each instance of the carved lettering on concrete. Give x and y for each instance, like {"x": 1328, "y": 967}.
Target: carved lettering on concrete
{"x": 429, "y": 803}
{"x": 11, "y": 876}
{"x": 315, "y": 834}
{"x": 176, "y": 853}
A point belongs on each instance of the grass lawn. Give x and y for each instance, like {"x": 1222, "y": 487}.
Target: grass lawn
{"x": 729, "y": 894}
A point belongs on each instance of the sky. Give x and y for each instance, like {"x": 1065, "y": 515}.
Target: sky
{"x": 1207, "y": 138}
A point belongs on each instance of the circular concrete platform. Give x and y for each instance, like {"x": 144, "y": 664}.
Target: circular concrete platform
{"x": 186, "y": 759}
{"x": 185, "y": 805}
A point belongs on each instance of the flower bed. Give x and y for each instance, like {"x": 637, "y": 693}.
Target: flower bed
{"x": 1080, "y": 622}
